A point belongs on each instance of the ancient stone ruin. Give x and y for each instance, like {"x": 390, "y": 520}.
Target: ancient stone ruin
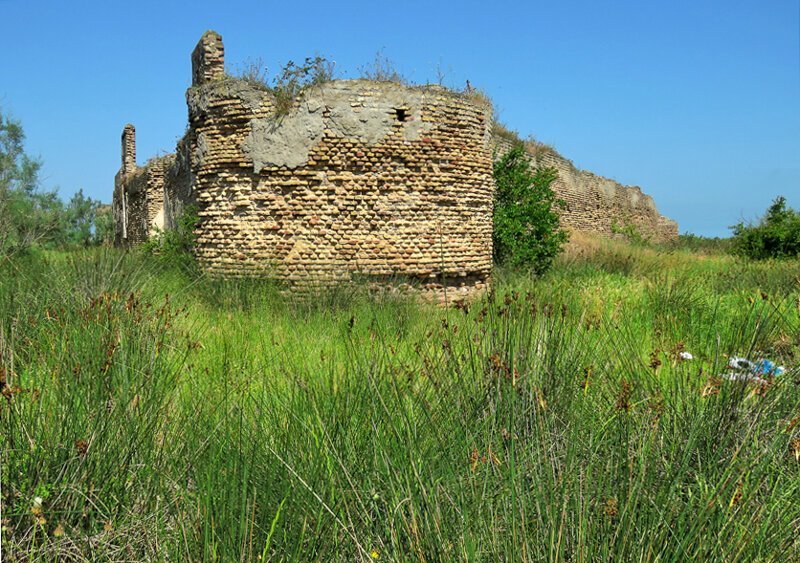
{"x": 358, "y": 179}
{"x": 594, "y": 203}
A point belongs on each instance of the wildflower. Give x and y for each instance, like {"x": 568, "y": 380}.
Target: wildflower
{"x": 685, "y": 356}
{"x": 59, "y": 531}
{"x": 107, "y": 527}
{"x": 36, "y": 509}
{"x": 374, "y": 554}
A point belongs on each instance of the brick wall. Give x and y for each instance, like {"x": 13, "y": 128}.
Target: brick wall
{"x": 360, "y": 179}
{"x": 138, "y": 202}
{"x": 594, "y": 203}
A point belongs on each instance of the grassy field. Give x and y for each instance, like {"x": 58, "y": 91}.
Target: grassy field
{"x": 151, "y": 414}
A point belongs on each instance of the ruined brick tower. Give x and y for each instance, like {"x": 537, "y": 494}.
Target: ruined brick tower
{"x": 366, "y": 179}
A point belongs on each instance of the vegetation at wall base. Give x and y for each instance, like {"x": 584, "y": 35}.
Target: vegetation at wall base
{"x": 177, "y": 245}
{"x": 630, "y": 232}
{"x": 152, "y": 414}
{"x": 527, "y": 231}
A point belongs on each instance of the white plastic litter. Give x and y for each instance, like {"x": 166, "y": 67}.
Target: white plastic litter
{"x": 747, "y": 370}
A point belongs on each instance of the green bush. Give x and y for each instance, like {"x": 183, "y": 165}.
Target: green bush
{"x": 776, "y": 235}
{"x": 176, "y": 245}
{"x": 527, "y": 230}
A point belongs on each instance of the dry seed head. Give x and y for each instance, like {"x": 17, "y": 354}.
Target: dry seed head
{"x": 611, "y": 509}
{"x": 795, "y": 447}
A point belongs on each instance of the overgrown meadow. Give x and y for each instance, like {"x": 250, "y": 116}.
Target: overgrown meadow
{"x": 151, "y": 414}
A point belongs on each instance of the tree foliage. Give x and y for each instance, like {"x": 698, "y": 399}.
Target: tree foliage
{"x": 527, "y": 230}
{"x": 31, "y": 216}
{"x": 776, "y": 235}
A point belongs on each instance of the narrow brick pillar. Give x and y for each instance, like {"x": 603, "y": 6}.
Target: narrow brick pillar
{"x": 128, "y": 149}
{"x": 208, "y": 59}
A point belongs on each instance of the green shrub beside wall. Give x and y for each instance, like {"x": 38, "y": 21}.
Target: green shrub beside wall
{"x": 527, "y": 230}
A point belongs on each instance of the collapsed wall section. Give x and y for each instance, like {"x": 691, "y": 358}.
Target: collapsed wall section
{"x": 358, "y": 179}
{"x": 139, "y": 197}
{"x": 594, "y": 203}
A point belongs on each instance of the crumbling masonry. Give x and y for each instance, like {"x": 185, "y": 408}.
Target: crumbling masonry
{"x": 360, "y": 179}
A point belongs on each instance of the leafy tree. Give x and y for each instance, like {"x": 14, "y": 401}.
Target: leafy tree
{"x": 19, "y": 177}
{"x": 527, "y": 230}
{"x": 776, "y": 235}
{"x": 79, "y": 219}
{"x": 103, "y": 225}
{"x": 30, "y": 216}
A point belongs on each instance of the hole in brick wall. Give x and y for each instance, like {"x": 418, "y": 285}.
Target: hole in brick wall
{"x": 401, "y": 115}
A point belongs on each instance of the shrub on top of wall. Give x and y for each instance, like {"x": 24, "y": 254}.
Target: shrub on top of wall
{"x": 776, "y": 235}
{"x": 527, "y": 230}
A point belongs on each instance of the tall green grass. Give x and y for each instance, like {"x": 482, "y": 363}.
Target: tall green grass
{"x": 163, "y": 416}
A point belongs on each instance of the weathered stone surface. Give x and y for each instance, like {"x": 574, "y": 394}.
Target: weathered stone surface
{"x": 286, "y": 141}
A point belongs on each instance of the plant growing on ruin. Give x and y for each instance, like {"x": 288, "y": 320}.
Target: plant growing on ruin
{"x": 630, "y": 232}
{"x": 294, "y": 79}
{"x": 501, "y": 131}
{"x": 382, "y": 69}
{"x": 290, "y": 82}
{"x": 254, "y": 72}
{"x": 527, "y": 229}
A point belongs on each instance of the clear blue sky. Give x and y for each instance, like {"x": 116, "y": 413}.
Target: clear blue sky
{"x": 696, "y": 101}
